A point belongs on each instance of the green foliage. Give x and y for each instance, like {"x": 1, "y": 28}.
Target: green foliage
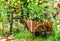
{"x": 17, "y": 27}
{"x": 38, "y": 39}
{"x": 23, "y": 34}
{"x": 57, "y": 37}
{"x": 35, "y": 8}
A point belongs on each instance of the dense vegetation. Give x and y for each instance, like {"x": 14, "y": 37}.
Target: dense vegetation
{"x": 44, "y": 9}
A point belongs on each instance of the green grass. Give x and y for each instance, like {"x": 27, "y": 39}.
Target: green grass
{"x": 26, "y": 35}
{"x": 23, "y": 35}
